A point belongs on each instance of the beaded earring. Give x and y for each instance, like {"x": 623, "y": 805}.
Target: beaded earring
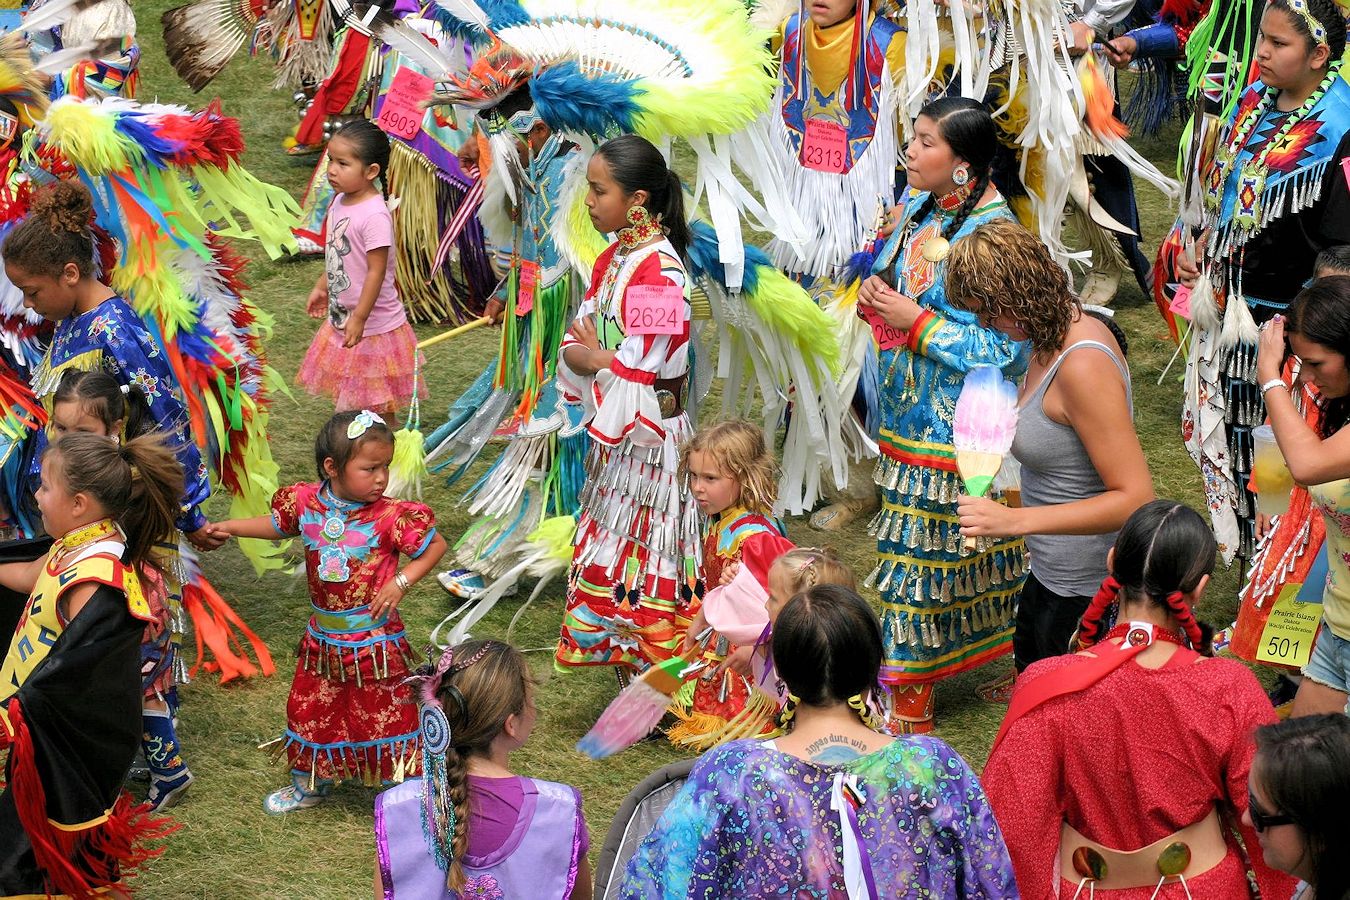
{"x": 642, "y": 227}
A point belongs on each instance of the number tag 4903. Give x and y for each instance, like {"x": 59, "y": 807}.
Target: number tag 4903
{"x": 825, "y": 147}
{"x": 401, "y": 111}
{"x": 653, "y": 309}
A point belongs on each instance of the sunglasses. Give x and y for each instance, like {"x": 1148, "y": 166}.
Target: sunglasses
{"x": 1262, "y": 820}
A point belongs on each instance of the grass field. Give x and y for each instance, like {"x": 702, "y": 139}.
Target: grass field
{"x": 228, "y": 848}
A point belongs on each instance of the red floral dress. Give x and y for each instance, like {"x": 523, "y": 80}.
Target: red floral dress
{"x": 349, "y": 714}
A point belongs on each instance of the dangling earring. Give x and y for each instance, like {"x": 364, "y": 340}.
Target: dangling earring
{"x": 642, "y": 227}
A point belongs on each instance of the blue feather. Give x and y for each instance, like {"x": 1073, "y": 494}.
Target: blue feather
{"x": 567, "y": 100}
{"x": 137, "y": 129}
{"x": 858, "y": 267}
{"x": 503, "y": 13}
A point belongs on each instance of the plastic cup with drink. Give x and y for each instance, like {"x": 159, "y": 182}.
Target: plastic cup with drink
{"x": 1273, "y": 481}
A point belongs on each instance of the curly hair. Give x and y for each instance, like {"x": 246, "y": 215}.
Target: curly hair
{"x": 57, "y": 231}
{"x": 1001, "y": 270}
{"x": 740, "y": 452}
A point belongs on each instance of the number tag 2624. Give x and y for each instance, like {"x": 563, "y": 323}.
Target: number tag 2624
{"x": 653, "y": 309}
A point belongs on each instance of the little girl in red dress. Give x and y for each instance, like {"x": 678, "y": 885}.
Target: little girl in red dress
{"x": 350, "y": 714}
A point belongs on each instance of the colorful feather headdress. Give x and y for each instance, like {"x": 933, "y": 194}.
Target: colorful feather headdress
{"x": 167, "y": 185}
{"x": 663, "y": 69}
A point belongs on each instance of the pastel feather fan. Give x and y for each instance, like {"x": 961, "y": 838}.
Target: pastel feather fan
{"x": 985, "y": 422}
{"x": 632, "y": 715}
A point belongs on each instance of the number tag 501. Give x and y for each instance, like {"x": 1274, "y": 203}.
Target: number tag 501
{"x": 653, "y": 309}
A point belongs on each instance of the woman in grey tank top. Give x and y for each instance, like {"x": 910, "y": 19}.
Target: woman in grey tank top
{"x": 1083, "y": 471}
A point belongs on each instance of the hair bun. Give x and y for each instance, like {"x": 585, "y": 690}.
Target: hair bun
{"x": 67, "y": 205}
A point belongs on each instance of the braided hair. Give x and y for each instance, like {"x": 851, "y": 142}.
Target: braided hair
{"x": 1161, "y": 554}
{"x": 969, "y": 131}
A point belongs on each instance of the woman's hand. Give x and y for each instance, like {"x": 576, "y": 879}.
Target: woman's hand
{"x": 584, "y": 331}
{"x": 1120, "y": 51}
{"x": 1263, "y": 523}
{"x": 982, "y": 517}
{"x": 1270, "y": 350}
{"x": 697, "y": 626}
{"x": 894, "y": 308}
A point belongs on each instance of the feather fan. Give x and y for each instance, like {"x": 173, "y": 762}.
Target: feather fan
{"x": 985, "y": 422}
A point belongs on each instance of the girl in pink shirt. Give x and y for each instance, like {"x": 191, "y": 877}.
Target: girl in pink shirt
{"x": 363, "y": 355}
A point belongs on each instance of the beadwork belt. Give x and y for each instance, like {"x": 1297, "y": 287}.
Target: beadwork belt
{"x": 1190, "y": 852}
{"x": 346, "y": 621}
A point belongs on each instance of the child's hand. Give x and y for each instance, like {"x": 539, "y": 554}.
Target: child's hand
{"x": 317, "y": 304}
{"x": 351, "y": 335}
{"x": 209, "y": 537}
{"x": 584, "y": 331}
{"x": 729, "y": 574}
{"x": 738, "y": 661}
{"x": 697, "y": 626}
{"x": 387, "y": 600}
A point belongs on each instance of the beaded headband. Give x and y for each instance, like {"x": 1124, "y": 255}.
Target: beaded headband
{"x": 1315, "y": 28}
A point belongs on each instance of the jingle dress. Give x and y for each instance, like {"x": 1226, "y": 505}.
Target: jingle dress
{"x": 70, "y": 714}
{"x": 751, "y": 821}
{"x": 350, "y": 714}
{"x": 944, "y": 610}
{"x": 1132, "y": 758}
{"x": 727, "y": 705}
{"x": 1275, "y": 196}
{"x": 636, "y": 560}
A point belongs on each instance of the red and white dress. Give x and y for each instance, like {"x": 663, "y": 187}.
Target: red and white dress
{"x": 636, "y": 560}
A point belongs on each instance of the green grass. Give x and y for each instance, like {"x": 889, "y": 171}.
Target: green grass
{"x": 228, "y": 848}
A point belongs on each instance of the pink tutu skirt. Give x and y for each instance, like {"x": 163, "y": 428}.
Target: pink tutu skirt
{"x": 376, "y": 374}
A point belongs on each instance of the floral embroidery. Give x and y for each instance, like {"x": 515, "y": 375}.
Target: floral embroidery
{"x": 148, "y": 383}
{"x": 103, "y": 326}
{"x": 483, "y": 887}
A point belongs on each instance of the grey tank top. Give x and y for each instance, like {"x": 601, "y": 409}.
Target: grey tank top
{"x": 1056, "y": 468}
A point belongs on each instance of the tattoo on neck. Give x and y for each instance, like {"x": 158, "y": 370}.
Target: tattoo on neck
{"x": 835, "y": 749}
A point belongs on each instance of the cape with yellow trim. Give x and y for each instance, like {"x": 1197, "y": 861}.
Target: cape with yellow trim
{"x": 72, "y": 726}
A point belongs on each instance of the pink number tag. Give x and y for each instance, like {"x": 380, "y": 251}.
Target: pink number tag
{"x": 401, "y": 112}
{"x": 888, "y": 336}
{"x": 825, "y": 148}
{"x": 653, "y": 309}
{"x": 1181, "y": 302}
{"x": 526, "y": 282}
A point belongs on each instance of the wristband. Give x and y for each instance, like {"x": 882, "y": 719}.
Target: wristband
{"x": 1272, "y": 383}
{"x": 402, "y": 581}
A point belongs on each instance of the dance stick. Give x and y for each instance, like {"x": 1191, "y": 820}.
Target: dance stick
{"x": 454, "y": 332}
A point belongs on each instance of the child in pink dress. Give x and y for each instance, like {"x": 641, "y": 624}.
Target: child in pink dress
{"x": 364, "y": 355}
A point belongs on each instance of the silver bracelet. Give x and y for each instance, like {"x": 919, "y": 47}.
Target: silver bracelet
{"x": 1272, "y": 383}
{"x": 402, "y": 581}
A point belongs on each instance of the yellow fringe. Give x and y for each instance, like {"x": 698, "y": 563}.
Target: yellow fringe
{"x": 700, "y": 731}
{"x": 412, "y": 179}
